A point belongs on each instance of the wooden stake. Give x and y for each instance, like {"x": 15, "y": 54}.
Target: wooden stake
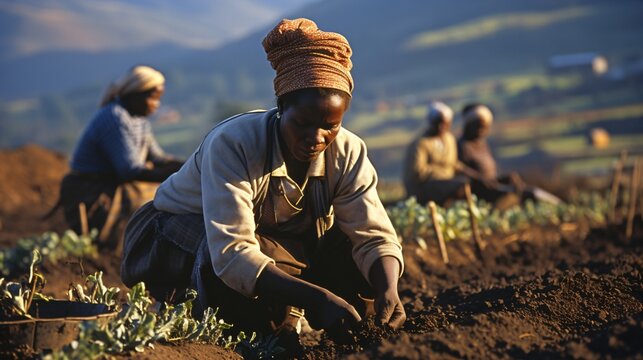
{"x": 616, "y": 182}
{"x": 475, "y": 232}
{"x": 634, "y": 187}
{"x": 112, "y": 215}
{"x": 438, "y": 232}
{"x": 84, "y": 227}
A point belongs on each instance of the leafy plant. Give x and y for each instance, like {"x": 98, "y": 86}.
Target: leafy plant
{"x": 413, "y": 223}
{"x": 16, "y": 298}
{"x": 94, "y": 291}
{"x": 16, "y": 260}
{"x": 137, "y": 326}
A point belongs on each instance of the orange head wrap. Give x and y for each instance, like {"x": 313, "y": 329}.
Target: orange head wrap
{"x": 305, "y": 57}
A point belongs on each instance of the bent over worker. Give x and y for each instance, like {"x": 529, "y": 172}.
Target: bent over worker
{"x": 116, "y": 148}
{"x": 431, "y": 167}
{"x": 474, "y": 152}
{"x": 277, "y": 210}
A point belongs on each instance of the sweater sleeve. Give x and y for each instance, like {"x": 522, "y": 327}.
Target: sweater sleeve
{"x": 227, "y": 197}
{"x": 360, "y": 213}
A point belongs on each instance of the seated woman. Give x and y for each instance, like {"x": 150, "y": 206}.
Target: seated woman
{"x": 475, "y": 153}
{"x": 277, "y": 210}
{"x": 431, "y": 167}
{"x": 116, "y": 148}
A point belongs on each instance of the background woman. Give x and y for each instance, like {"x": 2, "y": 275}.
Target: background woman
{"x": 116, "y": 148}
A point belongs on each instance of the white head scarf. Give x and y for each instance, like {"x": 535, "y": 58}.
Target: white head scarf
{"x": 139, "y": 78}
{"x": 439, "y": 111}
{"x": 479, "y": 113}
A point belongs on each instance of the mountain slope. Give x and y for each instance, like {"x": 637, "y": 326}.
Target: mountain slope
{"x": 32, "y": 26}
{"x": 59, "y": 44}
{"x": 411, "y": 46}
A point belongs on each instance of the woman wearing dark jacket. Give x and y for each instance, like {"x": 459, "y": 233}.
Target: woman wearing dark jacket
{"x": 475, "y": 153}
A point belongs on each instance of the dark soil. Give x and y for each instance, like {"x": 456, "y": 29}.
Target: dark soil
{"x": 542, "y": 293}
{"x": 568, "y": 296}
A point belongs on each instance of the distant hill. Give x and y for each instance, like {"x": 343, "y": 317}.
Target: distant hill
{"x": 406, "y": 47}
{"x": 400, "y": 47}
{"x": 58, "y": 44}
{"x": 56, "y": 71}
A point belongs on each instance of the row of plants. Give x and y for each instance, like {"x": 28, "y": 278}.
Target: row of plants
{"x": 15, "y": 260}
{"x": 138, "y": 324}
{"x": 413, "y": 221}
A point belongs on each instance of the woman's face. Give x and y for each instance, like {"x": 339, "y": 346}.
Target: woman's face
{"x": 145, "y": 103}
{"x": 310, "y": 125}
{"x": 483, "y": 129}
{"x": 444, "y": 127}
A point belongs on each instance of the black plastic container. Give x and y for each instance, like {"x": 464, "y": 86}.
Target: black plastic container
{"x": 55, "y": 323}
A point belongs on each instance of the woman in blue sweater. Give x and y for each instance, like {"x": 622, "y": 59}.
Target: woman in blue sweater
{"x": 116, "y": 148}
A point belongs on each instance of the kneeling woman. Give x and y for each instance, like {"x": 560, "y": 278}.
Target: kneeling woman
{"x": 277, "y": 209}
{"x": 116, "y": 149}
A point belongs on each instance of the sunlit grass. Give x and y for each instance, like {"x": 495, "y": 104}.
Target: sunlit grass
{"x": 588, "y": 165}
{"x": 392, "y": 138}
{"x": 589, "y": 159}
{"x": 513, "y": 150}
{"x": 491, "y": 25}
{"x": 360, "y": 122}
{"x": 530, "y": 131}
{"x": 570, "y": 104}
{"x": 527, "y": 129}
{"x": 564, "y": 145}
{"x": 500, "y": 89}
{"x": 484, "y": 90}
{"x": 626, "y": 141}
{"x": 571, "y": 145}
{"x": 518, "y": 83}
{"x": 363, "y": 121}
{"x": 175, "y": 137}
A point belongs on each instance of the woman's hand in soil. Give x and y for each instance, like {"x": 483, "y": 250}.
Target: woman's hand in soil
{"x": 388, "y": 306}
{"x": 332, "y": 313}
{"x": 324, "y": 310}
{"x": 389, "y": 309}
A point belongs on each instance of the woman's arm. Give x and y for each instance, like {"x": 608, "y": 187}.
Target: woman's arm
{"x": 388, "y": 306}
{"x": 361, "y": 215}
